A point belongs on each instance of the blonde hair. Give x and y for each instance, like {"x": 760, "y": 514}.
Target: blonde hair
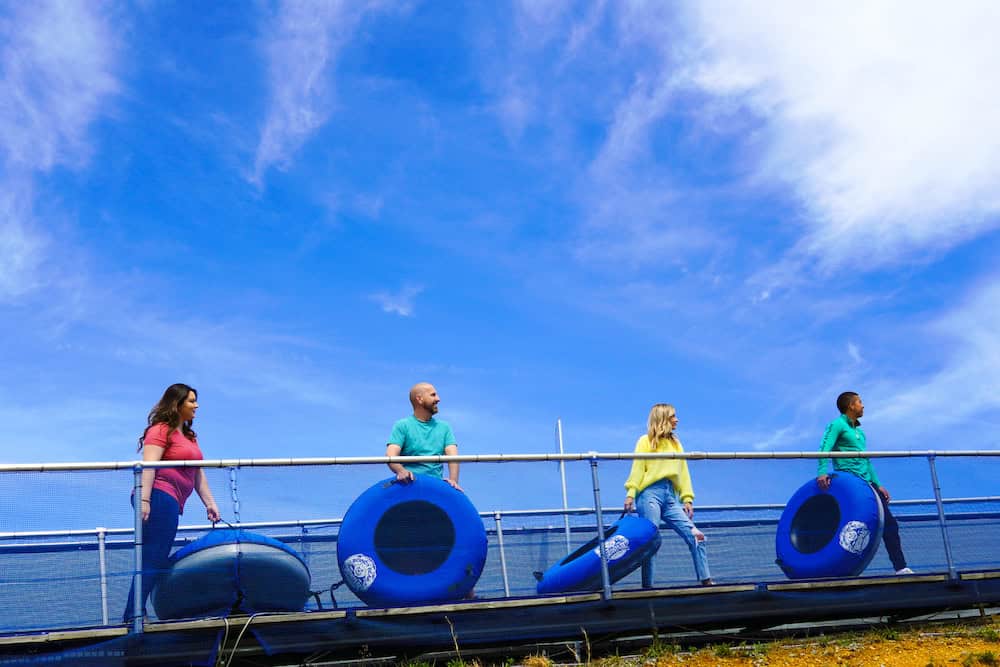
{"x": 659, "y": 424}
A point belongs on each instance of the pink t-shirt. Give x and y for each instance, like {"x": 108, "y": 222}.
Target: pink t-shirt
{"x": 178, "y": 482}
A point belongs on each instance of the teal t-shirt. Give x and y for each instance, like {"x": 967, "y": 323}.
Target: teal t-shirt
{"x": 417, "y": 438}
{"x": 844, "y": 436}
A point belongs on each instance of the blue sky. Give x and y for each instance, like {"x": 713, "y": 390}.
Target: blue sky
{"x": 548, "y": 209}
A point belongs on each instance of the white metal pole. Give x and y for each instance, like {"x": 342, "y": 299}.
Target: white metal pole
{"x": 503, "y": 556}
{"x": 103, "y": 559}
{"x": 562, "y": 474}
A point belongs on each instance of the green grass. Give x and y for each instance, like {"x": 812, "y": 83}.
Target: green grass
{"x": 722, "y": 651}
{"x": 659, "y": 648}
{"x": 989, "y": 634}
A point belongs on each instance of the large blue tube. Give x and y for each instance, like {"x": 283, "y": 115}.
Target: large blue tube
{"x": 628, "y": 542}
{"x": 416, "y": 543}
{"x": 231, "y": 570}
{"x": 833, "y": 533}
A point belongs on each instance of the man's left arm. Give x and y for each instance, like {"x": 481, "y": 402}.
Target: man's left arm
{"x": 877, "y": 483}
{"x": 829, "y": 442}
{"x": 874, "y": 475}
{"x": 452, "y": 450}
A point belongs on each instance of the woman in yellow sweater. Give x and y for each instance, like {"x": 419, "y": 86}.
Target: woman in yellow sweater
{"x": 663, "y": 487}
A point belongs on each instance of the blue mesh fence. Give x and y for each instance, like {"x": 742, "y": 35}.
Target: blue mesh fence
{"x": 55, "y": 581}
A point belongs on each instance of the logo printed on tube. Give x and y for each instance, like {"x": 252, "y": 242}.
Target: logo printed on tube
{"x": 615, "y": 546}
{"x": 854, "y": 537}
{"x": 361, "y": 571}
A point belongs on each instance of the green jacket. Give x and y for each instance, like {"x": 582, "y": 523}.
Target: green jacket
{"x": 843, "y": 435}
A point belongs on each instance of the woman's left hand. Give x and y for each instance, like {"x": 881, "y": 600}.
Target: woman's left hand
{"x": 213, "y": 513}
{"x": 689, "y": 509}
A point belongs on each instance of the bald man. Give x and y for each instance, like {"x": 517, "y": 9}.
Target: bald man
{"x": 422, "y": 435}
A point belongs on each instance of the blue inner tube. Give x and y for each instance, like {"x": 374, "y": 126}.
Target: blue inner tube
{"x": 407, "y": 544}
{"x": 230, "y": 570}
{"x": 833, "y": 533}
{"x": 628, "y": 543}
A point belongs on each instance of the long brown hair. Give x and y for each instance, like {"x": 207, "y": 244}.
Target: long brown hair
{"x": 166, "y": 411}
{"x": 659, "y": 424}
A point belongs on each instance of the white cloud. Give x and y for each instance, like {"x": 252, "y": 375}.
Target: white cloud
{"x": 854, "y": 352}
{"x": 880, "y": 116}
{"x": 516, "y": 108}
{"x": 240, "y": 359}
{"x": 57, "y": 63}
{"x": 968, "y": 384}
{"x": 627, "y": 137}
{"x": 877, "y": 118}
{"x": 543, "y": 30}
{"x": 301, "y": 48}
{"x": 399, "y": 303}
{"x": 21, "y": 247}
{"x": 782, "y": 438}
{"x": 634, "y": 213}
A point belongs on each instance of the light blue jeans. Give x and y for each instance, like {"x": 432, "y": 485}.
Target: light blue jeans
{"x": 659, "y": 502}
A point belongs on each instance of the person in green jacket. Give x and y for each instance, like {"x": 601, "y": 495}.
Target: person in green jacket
{"x": 844, "y": 434}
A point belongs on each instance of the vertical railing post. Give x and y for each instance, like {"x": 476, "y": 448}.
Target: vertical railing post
{"x": 941, "y": 520}
{"x": 102, "y": 557}
{"x": 235, "y": 493}
{"x": 605, "y": 577}
{"x": 306, "y": 545}
{"x": 139, "y": 606}
{"x": 503, "y": 555}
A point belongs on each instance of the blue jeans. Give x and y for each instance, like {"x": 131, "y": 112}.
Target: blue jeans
{"x": 158, "y": 535}
{"x": 659, "y": 502}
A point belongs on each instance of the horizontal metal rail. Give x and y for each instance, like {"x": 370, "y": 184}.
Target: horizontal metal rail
{"x": 573, "y": 511}
{"x": 593, "y": 458}
{"x": 586, "y": 531}
{"x": 488, "y": 458}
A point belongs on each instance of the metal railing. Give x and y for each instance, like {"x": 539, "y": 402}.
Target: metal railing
{"x": 104, "y": 537}
{"x": 593, "y": 458}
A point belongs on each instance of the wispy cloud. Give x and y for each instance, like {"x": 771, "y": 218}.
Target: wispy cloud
{"x": 633, "y": 213}
{"x": 302, "y": 42}
{"x": 21, "y": 247}
{"x": 854, "y": 352}
{"x": 240, "y": 360}
{"x": 879, "y": 118}
{"x": 786, "y": 437}
{"x": 966, "y": 386}
{"x": 526, "y": 69}
{"x": 878, "y": 123}
{"x": 56, "y": 74}
{"x": 519, "y": 99}
{"x": 627, "y": 137}
{"x": 58, "y": 71}
{"x": 399, "y": 303}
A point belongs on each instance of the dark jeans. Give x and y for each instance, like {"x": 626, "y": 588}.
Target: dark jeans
{"x": 890, "y": 534}
{"x": 158, "y": 535}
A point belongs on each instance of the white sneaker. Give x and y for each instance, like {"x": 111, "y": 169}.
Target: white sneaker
{"x": 905, "y": 570}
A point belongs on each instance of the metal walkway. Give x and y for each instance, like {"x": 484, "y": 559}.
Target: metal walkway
{"x": 275, "y": 639}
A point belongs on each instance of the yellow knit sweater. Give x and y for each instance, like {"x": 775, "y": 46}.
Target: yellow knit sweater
{"x": 647, "y": 471}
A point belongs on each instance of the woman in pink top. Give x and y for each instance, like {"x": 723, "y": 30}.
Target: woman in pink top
{"x": 168, "y": 437}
